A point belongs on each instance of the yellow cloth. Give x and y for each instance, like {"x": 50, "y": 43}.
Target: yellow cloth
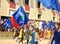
{"x": 36, "y": 24}
{"x": 49, "y": 33}
{"x": 20, "y": 33}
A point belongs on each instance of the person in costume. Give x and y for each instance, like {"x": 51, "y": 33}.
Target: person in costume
{"x": 55, "y": 38}
{"x": 27, "y": 33}
{"x": 48, "y": 33}
{"x": 20, "y": 37}
{"x": 57, "y": 34}
{"x": 33, "y": 38}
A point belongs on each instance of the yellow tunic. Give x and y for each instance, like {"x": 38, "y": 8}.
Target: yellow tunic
{"x": 49, "y": 33}
{"x": 20, "y": 33}
{"x": 36, "y": 24}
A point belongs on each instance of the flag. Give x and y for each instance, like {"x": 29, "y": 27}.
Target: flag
{"x": 51, "y": 25}
{"x": 57, "y": 5}
{"x": 27, "y": 8}
{"x": 44, "y": 25}
{"x": 7, "y": 24}
{"x": 20, "y": 16}
{"x": 46, "y": 3}
{"x": 14, "y": 23}
{"x": 12, "y": 5}
{"x": 51, "y": 4}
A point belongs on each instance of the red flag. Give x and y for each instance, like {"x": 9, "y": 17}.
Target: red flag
{"x": 27, "y": 8}
{"x": 14, "y": 23}
{"x": 12, "y": 5}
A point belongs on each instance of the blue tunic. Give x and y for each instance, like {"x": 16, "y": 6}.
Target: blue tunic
{"x": 33, "y": 38}
{"x": 57, "y": 37}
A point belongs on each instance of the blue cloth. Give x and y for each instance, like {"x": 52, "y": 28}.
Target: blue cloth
{"x": 57, "y": 5}
{"x": 20, "y": 16}
{"x": 57, "y": 37}
{"x": 51, "y": 4}
{"x": 7, "y": 24}
{"x": 44, "y": 25}
{"x": 57, "y": 43}
{"x": 51, "y": 25}
{"x": 33, "y": 38}
{"x": 46, "y": 3}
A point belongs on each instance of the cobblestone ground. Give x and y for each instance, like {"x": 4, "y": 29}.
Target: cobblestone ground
{"x": 7, "y": 39}
{"x": 11, "y": 41}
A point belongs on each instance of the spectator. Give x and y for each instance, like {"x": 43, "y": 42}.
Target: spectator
{"x": 27, "y": 33}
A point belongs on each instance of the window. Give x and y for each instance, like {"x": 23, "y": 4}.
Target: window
{"x": 38, "y": 4}
{"x": 53, "y": 18}
{"x": 27, "y": 2}
{"x": 12, "y": 0}
{"x": 39, "y": 16}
